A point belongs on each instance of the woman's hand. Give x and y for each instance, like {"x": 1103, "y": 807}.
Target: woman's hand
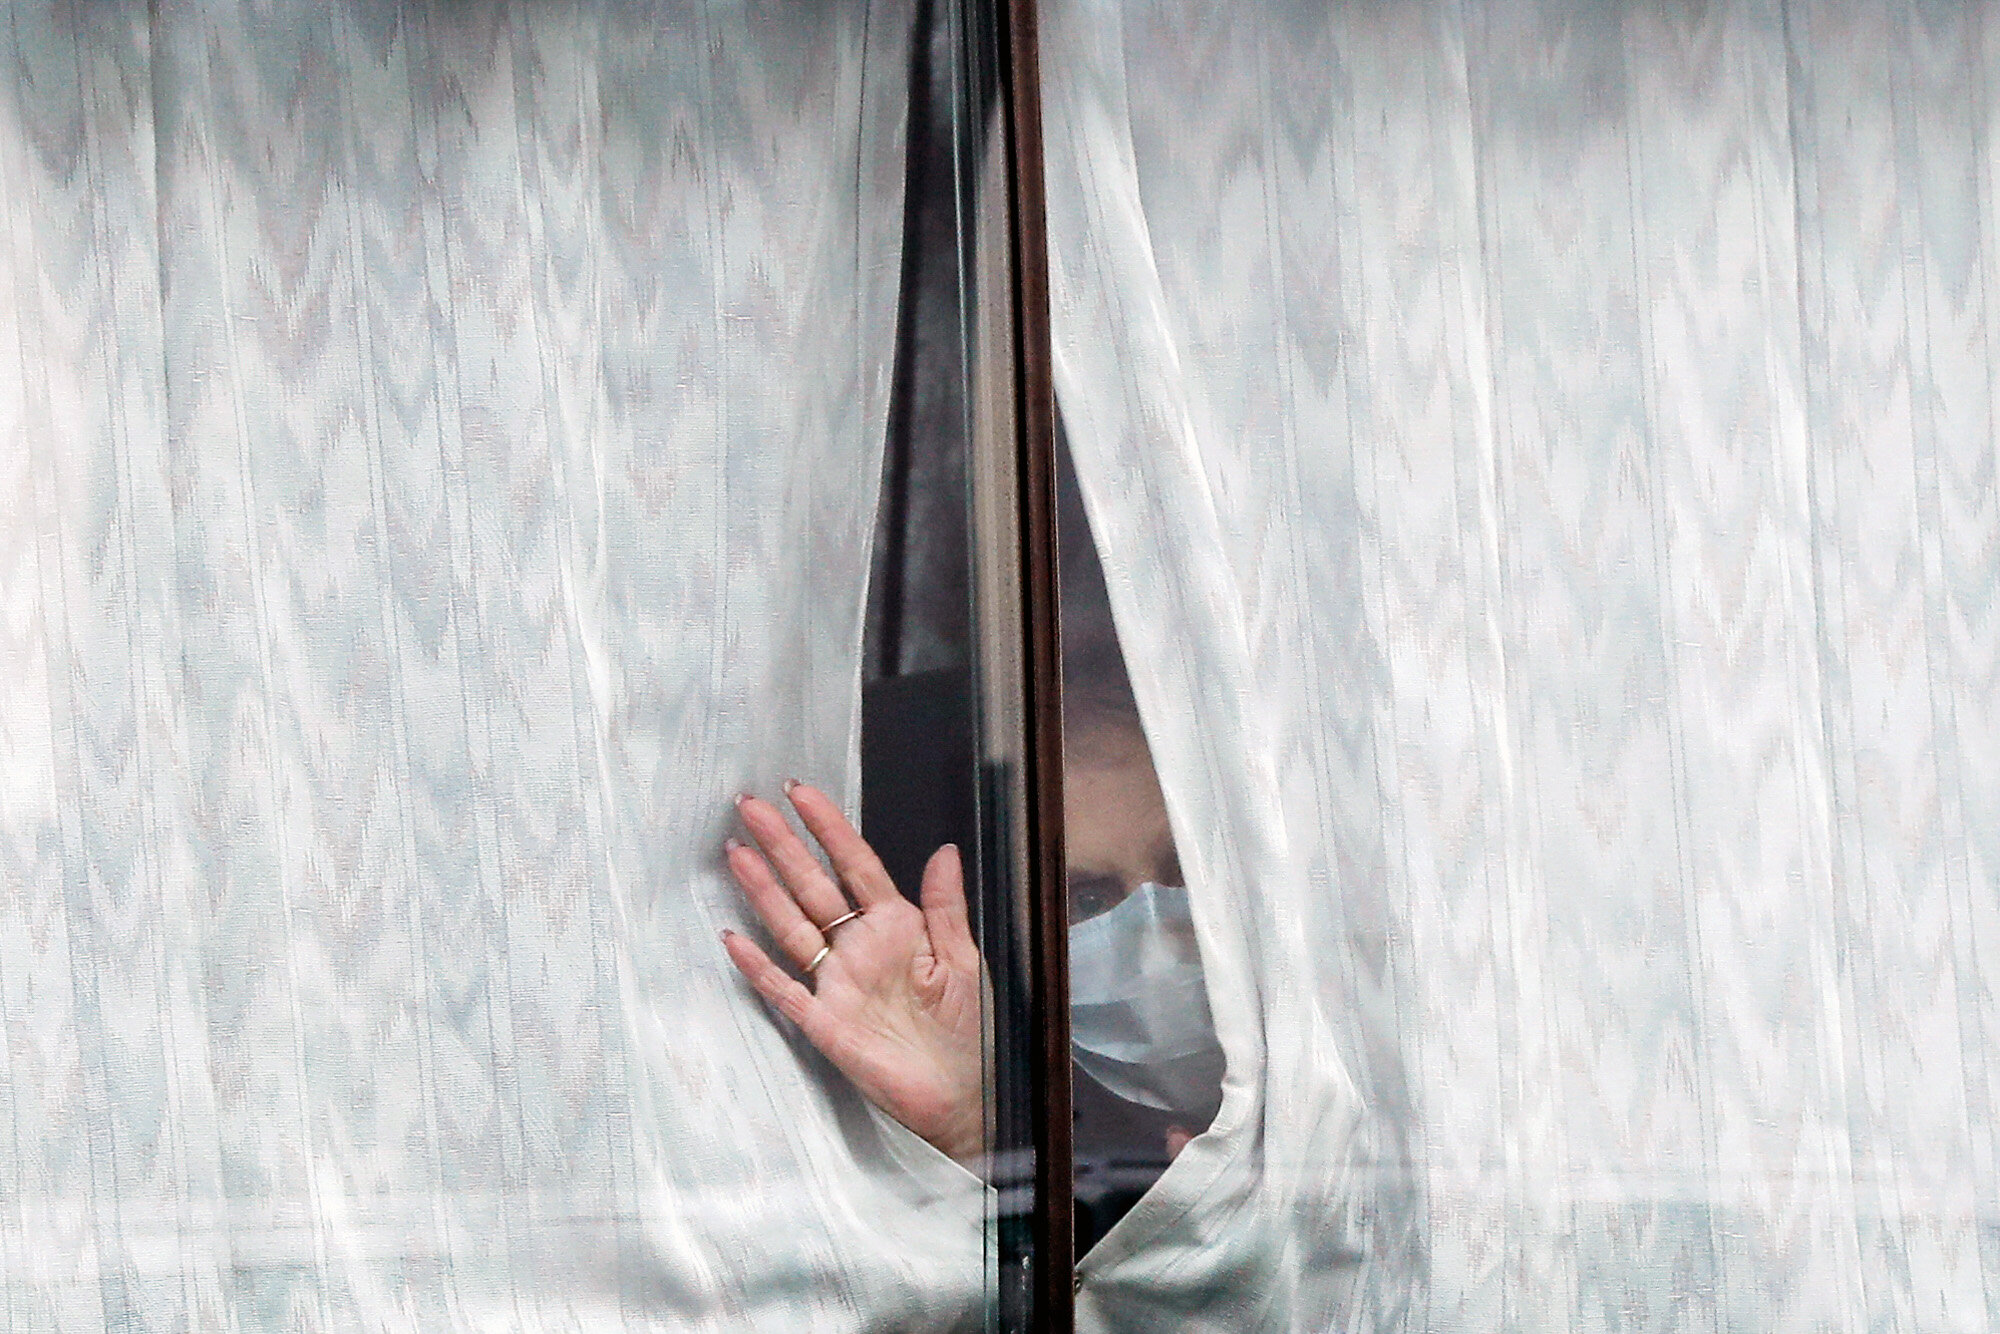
{"x": 895, "y": 1000}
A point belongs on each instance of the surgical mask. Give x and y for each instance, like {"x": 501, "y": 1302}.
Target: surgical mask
{"x": 1139, "y": 1021}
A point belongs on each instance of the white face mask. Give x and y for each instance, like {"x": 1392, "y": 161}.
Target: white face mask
{"x": 1139, "y": 1021}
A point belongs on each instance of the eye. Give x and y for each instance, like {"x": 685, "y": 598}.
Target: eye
{"x": 1092, "y": 893}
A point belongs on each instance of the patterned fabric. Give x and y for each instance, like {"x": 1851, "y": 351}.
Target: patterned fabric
{"x": 438, "y": 443}
{"x": 1544, "y": 459}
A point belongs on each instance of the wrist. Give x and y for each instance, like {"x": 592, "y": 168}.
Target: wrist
{"x": 964, "y": 1141}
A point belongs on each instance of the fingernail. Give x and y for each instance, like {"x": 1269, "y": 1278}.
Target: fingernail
{"x": 731, "y": 844}
{"x": 727, "y": 933}
{"x": 742, "y": 797}
{"x": 790, "y": 783}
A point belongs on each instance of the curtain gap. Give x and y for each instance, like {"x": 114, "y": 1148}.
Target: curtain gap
{"x": 889, "y": 587}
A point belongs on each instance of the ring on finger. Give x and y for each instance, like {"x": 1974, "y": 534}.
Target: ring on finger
{"x": 825, "y": 934}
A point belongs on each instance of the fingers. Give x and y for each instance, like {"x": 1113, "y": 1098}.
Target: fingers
{"x": 787, "y": 993}
{"x": 774, "y": 904}
{"x": 943, "y": 896}
{"x": 810, "y": 885}
{"x": 859, "y": 868}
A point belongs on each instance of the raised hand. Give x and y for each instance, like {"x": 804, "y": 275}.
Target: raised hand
{"x": 896, "y": 990}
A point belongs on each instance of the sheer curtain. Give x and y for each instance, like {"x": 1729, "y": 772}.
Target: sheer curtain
{"x": 440, "y": 445}
{"x": 1544, "y": 460}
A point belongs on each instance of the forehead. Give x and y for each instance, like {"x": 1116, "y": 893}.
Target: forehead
{"x": 1114, "y": 815}
{"x": 1099, "y": 740}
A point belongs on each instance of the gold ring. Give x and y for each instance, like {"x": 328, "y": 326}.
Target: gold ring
{"x": 847, "y": 916}
{"x": 819, "y": 958}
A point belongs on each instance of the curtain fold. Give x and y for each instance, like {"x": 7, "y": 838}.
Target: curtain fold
{"x": 440, "y": 454}
{"x": 1544, "y": 464}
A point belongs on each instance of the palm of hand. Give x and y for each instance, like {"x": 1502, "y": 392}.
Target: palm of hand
{"x": 904, "y": 1025}
{"x": 897, "y": 1000}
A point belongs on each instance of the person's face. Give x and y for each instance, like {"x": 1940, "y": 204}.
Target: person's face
{"x": 1114, "y": 820}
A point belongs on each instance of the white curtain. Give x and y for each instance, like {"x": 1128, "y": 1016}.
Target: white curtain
{"x": 438, "y": 444}
{"x": 1544, "y": 460}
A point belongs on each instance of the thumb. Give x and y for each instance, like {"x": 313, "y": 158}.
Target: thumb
{"x": 943, "y": 896}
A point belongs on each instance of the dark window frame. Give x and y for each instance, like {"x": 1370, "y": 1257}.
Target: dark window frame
{"x": 1041, "y": 634}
